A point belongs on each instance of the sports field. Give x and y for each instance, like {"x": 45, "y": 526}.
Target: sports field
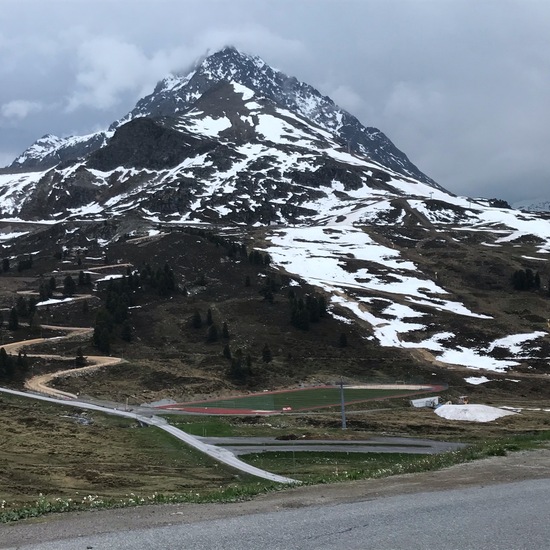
{"x": 302, "y": 399}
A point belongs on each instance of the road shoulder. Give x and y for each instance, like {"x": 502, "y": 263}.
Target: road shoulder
{"x": 503, "y": 469}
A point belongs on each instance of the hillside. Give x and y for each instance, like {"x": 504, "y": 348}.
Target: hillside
{"x": 271, "y": 211}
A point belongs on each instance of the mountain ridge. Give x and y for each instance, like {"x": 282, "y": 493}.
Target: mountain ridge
{"x": 176, "y": 94}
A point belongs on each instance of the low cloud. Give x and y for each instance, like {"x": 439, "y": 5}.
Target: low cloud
{"x": 109, "y": 68}
{"x": 20, "y": 108}
{"x": 347, "y": 98}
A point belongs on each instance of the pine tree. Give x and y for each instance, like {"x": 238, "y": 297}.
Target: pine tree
{"x": 13, "y": 323}
{"x": 79, "y": 360}
{"x": 5, "y": 265}
{"x": 196, "y": 320}
{"x": 343, "y": 340}
{"x": 126, "y": 331}
{"x": 69, "y": 286}
{"x": 209, "y": 319}
{"x": 227, "y": 351}
{"x": 225, "y": 331}
{"x": 212, "y": 334}
{"x": 104, "y": 344}
{"x": 21, "y": 306}
{"x": 266, "y": 354}
{"x": 34, "y": 325}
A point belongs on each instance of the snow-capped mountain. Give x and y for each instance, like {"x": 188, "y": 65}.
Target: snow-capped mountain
{"x": 534, "y": 205}
{"x": 176, "y": 94}
{"x": 50, "y": 150}
{"x": 233, "y": 140}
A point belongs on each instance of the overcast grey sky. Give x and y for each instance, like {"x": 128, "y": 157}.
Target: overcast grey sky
{"x": 461, "y": 86}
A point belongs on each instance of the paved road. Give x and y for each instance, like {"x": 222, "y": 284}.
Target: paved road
{"x": 218, "y": 453}
{"x": 511, "y": 516}
{"x": 409, "y": 445}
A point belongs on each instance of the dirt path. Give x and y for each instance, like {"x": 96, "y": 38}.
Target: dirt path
{"x": 40, "y": 382}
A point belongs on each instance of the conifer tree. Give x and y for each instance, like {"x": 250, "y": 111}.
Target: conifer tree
{"x": 212, "y": 334}
{"x": 34, "y": 324}
{"x": 343, "y": 340}
{"x": 13, "y": 323}
{"x": 227, "y": 351}
{"x": 266, "y": 354}
{"x": 126, "y": 331}
{"x": 79, "y": 360}
{"x": 21, "y": 306}
{"x": 196, "y": 320}
{"x": 69, "y": 286}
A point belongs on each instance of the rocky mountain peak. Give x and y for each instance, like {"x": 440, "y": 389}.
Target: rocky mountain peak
{"x": 214, "y": 101}
{"x": 177, "y": 93}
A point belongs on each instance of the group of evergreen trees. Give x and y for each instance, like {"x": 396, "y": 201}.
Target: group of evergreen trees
{"x": 24, "y": 263}
{"x": 13, "y": 368}
{"x": 23, "y": 309}
{"x": 213, "y": 332}
{"x": 240, "y": 364}
{"x": 162, "y": 280}
{"x": 525, "y": 279}
{"x": 271, "y": 285}
{"x": 303, "y": 312}
{"x": 232, "y": 247}
{"x": 259, "y": 258}
{"x": 119, "y": 296}
{"x": 47, "y": 287}
{"x": 114, "y": 314}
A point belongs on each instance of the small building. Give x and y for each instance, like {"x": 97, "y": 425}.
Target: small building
{"x": 425, "y": 402}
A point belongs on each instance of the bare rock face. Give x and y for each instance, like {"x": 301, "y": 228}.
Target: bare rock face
{"x": 143, "y": 143}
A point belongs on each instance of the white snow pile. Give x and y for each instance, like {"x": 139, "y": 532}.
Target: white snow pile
{"x": 53, "y": 301}
{"x": 476, "y": 380}
{"x": 471, "y": 413}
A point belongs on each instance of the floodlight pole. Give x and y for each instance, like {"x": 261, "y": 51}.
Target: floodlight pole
{"x": 343, "y": 404}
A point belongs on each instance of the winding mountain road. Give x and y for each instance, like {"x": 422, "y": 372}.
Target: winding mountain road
{"x": 40, "y": 382}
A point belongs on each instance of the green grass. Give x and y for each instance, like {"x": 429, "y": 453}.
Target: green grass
{"x": 310, "y": 467}
{"x": 304, "y": 399}
{"x": 208, "y": 426}
{"x": 320, "y": 467}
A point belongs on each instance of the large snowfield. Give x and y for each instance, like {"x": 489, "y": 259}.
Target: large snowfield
{"x": 320, "y": 256}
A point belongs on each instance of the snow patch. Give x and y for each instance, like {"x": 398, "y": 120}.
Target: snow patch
{"x": 471, "y": 413}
